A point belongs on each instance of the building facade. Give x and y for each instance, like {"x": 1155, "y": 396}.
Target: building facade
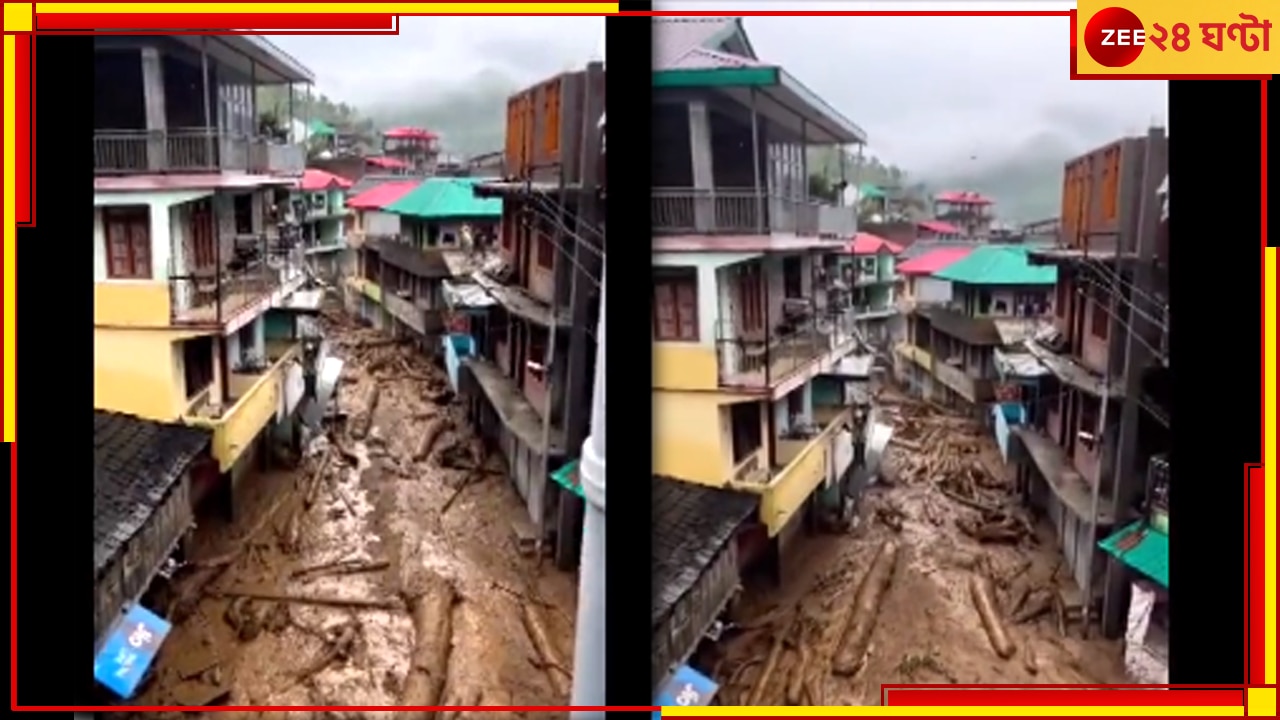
{"x": 318, "y": 208}
{"x": 750, "y": 322}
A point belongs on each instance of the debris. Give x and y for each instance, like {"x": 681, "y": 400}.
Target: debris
{"x": 796, "y": 683}
{"x": 766, "y": 673}
{"x": 866, "y": 606}
{"x": 243, "y": 617}
{"x": 340, "y": 644}
{"x": 1038, "y": 602}
{"x": 548, "y": 658}
{"x": 891, "y": 517}
{"x": 313, "y": 484}
{"x": 351, "y": 603}
{"x": 457, "y": 491}
{"x": 982, "y": 592}
{"x": 430, "y": 434}
{"x": 1029, "y": 661}
{"x": 432, "y": 613}
{"x": 340, "y": 567}
{"x": 363, "y": 420}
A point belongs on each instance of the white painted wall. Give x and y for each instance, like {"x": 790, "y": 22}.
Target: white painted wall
{"x": 380, "y": 223}
{"x": 932, "y": 290}
{"x": 159, "y": 205}
{"x": 713, "y": 296}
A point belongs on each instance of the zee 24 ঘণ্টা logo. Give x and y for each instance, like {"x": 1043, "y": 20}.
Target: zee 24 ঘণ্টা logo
{"x": 1115, "y": 37}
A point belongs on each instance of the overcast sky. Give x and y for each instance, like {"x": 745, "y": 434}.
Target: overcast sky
{"x": 445, "y": 53}
{"x": 932, "y": 92}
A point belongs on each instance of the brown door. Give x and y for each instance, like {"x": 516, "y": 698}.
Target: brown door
{"x": 200, "y": 227}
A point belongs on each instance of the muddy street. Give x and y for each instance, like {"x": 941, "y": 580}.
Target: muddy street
{"x": 381, "y": 570}
{"x": 942, "y": 578}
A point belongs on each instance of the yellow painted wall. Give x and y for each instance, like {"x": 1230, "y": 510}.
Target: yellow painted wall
{"x": 684, "y": 366}
{"x": 131, "y": 304}
{"x": 235, "y": 430}
{"x": 138, "y": 372}
{"x": 788, "y": 492}
{"x": 690, "y": 441}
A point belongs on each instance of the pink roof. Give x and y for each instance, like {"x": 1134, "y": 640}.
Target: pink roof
{"x": 387, "y": 163}
{"x": 381, "y": 196}
{"x": 409, "y": 133}
{"x": 313, "y": 180}
{"x": 940, "y": 227}
{"x": 193, "y": 181}
{"x": 739, "y": 243}
{"x": 932, "y": 261}
{"x": 963, "y": 197}
{"x": 868, "y": 244}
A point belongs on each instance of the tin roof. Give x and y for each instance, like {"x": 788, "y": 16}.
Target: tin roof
{"x": 998, "y": 265}
{"x": 933, "y": 261}
{"x": 963, "y": 197}
{"x": 135, "y": 463}
{"x": 439, "y": 198}
{"x": 868, "y": 244}
{"x": 191, "y": 181}
{"x": 314, "y": 180}
{"x": 940, "y": 226}
{"x": 742, "y": 243}
{"x": 382, "y": 195}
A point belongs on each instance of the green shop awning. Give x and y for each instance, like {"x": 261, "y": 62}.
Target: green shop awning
{"x": 1142, "y": 548}
{"x": 567, "y": 478}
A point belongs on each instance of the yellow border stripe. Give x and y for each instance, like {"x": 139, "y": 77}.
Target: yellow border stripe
{"x": 998, "y": 711}
{"x": 474, "y": 8}
{"x": 1269, "y": 458}
{"x": 10, "y": 238}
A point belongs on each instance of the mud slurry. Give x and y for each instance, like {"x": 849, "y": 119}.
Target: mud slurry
{"x": 373, "y": 504}
{"x": 927, "y": 629}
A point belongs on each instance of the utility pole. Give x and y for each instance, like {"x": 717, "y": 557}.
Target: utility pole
{"x": 589, "y": 635}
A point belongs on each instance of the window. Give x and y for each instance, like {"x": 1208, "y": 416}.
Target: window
{"x": 1099, "y": 316}
{"x": 984, "y": 301}
{"x": 675, "y": 305}
{"x": 243, "y": 208}
{"x": 791, "y": 278}
{"x": 197, "y": 365}
{"x": 431, "y": 233}
{"x": 128, "y": 237}
{"x": 449, "y": 239}
{"x": 546, "y": 251}
{"x": 1001, "y": 308}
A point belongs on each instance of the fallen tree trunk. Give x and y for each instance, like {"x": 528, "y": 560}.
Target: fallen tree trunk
{"x": 866, "y": 607}
{"x": 430, "y": 434}
{"x": 432, "y": 613}
{"x": 341, "y": 567}
{"x": 548, "y": 657}
{"x": 361, "y": 423}
{"x": 362, "y": 603}
{"x": 983, "y": 595}
{"x": 766, "y": 673}
{"x": 799, "y": 675}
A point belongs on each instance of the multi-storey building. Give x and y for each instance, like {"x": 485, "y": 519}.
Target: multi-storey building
{"x": 872, "y": 279}
{"x": 969, "y": 211}
{"x": 437, "y": 216}
{"x": 749, "y": 406}
{"x": 964, "y": 310}
{"x": 523, "y": 307}
{"x": 1085, "y": 457}
{"x": 417, "y": 149}
{"x": 194, "y": 304}
{"x": 318, "y": 207}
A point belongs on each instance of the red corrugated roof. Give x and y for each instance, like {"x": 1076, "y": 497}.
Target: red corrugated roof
{"x": 409, "y": 133}
{"x": 940, "y": 227}
{"x": 933, "y": 261}
{"x": 963, "y": 197}
{"x": 313, "y": 180}
{"x": 382, "y": 195}
{"x": 387, "y": 163}
{"x": 868, "y": 244}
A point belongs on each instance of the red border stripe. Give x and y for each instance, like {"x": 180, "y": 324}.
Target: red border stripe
{"x": 214, "y": 21}
{"x": 1065, "y": 698}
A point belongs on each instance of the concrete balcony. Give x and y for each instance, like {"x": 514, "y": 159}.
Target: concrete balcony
{"x": 254, "y": 400}
{"x": 769, "y": 358}
{"x": 745, "y": 211}
{"x": 916, "y": 355}
{"x": 240, "y": 291}
{"x": 414, "y": 313}
{"x": 975, "y": 390}
{"x": 191, "y": 150}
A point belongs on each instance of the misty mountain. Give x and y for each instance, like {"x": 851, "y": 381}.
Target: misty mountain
{"x": 470, "y": 117}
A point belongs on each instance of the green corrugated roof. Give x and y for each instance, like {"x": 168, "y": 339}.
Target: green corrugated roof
{"x": 320, "y": 127}
{"x": 998, "y": 265}
{"x": 439, "y": 198}
{"x": 867, "y": 190}
{"x": 1143, "y": 549}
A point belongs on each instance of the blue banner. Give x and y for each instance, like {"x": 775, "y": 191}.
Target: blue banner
{"x": 131, "y": 647}
{"x": 687, "y": 687}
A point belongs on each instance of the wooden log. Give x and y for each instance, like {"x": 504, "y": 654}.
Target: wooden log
{"x": 766, "y": 673}
{"x": 799, "y": 675}
{"x": 982, "y": 592}
{"x": 548, "y": 657}
{"x": 361, "y": 423}
{"x": 866, "y": 607}
{"x": 341, "y": 567}
{"x": 296, "y": 599}
{"x": 435, "y": 427}
{"x": 432, "y": 613}
{"x": 1038, "y": 603}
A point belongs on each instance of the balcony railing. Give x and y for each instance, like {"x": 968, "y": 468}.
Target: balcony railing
{"x": 745, "y": 211}
{"x": 258, "y": 268}
{"x": 761, "y": 359}
{"x": 124, "y": 152}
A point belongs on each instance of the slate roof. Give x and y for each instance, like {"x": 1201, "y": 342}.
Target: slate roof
{"x": 691, "y": 524}
{"x": 135, "y": 463}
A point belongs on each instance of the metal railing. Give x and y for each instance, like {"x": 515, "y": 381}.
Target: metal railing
{"x": 742, "y": 210}
{"x": 763, "y": 358}
{"x": 123, "y": 152}
{"x": 257, "y": 267}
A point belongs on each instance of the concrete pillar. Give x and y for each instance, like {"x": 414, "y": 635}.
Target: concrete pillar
{"x": 589, "y": 637}
{"x": 703, "y": 173}
{"x": 153, "y": 104}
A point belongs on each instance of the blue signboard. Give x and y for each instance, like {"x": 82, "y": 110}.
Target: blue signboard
{"x": 130, "y": 648}
{"x": 687, "y": 687}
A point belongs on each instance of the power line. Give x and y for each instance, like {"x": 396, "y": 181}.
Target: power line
{"x": 554, "y": 210}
